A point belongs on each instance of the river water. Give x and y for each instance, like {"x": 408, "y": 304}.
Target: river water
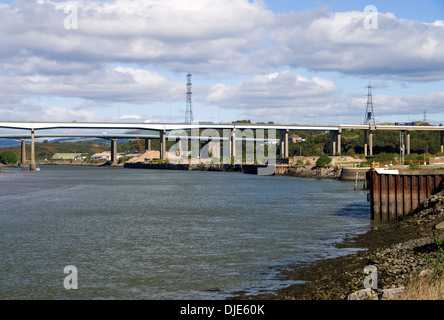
{"x": 155, "y": 234}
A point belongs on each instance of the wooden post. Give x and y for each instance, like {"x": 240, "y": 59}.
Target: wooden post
{"x": 399, "y": 196}
{"x": 356, "y": 180}
{"x": 391, "y": 197}
{"x": 430, "y": 185}
{"x": 375, "y": 199}
{"x": 407, "y": 194}
{"x": 384, "y": 198}
{"x": 415, "y": 192}
{"x": 422, "y": 189}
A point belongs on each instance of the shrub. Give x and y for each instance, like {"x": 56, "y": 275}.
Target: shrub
{"x": 323, "y": 161}
{"x": 8, "y": 157}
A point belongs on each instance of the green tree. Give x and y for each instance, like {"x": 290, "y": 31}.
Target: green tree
{"x": 323, "y": 161}
{"x": 8, "y": 157}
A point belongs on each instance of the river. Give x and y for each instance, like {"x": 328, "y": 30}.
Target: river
{"x": 161, "y": 234}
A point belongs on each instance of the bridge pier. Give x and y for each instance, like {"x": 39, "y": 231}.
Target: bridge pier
{"x": 283, "y": 137}
{"x": 338, "y": 142}
{"x": 442, "y": 141}
{"x": 365, "y": 143}
{"x": 233, "y": 143}
{"x": 163, "y": 155}
{"x": 147, "y": 144}
{"x": 33, "y": 165}
{"x": 113, "y": 151}
{"x": 335, "y": 142}
{"x": 22, "y": 163}
{"x": 408, "y": 142}
{"x": 368, "y": 143}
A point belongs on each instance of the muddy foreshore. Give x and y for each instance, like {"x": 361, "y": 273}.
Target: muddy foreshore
{"x": 397, "y": 249}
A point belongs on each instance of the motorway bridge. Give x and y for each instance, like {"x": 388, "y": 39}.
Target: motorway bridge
{"x": 230, "y": 132}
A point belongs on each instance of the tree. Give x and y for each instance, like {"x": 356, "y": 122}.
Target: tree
{"x": 8, "y": 157}
{"x": 323, "y": 161}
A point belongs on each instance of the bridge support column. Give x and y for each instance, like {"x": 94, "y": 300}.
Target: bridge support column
{"x": 442, "y": 141}
{"x": 33, "y": 165}
{"x": 338, "y": 141}
{"x": 408, "y": 142}
{"x": 147, "y": 144}
{"x": 365, "y": 143}
{"x": 113, "y": 151}
{"x": 333, "y": 142}
{"x": 283, "y": 137}
{"x": 233, "y": 143}
{"x": 163, "y": 155}
{"x": 370, "y": 142}
{"x": 23, "y": 154}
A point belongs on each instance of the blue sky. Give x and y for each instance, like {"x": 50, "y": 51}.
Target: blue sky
{"x": 427, "y": 11}
{"x": 301, "y": 62}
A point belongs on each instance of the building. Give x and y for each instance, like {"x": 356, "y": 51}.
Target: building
{"x": 66, "y": 156}
{"x": 104, "y": 156}
{"x": 295, "y": 139}
{"x": 437, "y": 161}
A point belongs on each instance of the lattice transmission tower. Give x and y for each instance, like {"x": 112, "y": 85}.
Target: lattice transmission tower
{"x": 369, "y": 112}
{"x": 189, "y": 110}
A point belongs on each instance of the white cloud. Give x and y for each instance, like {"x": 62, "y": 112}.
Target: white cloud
{"x": 172, "y": 33}
{"x": 218, "y": 37}
{"x": 400, "y": 49}
{"x": 118, "y": 84}
{"x": 274, "y": 90}
{"x": 123, "y": 49}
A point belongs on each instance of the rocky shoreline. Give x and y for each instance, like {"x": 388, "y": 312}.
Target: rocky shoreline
{"x": 397, "y": 249}
{"x": 281, "y": 170}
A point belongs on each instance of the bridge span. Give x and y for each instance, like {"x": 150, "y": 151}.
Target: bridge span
{"x": 230, "y": 129}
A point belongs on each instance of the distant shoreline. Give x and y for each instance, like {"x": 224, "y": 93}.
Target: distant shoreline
{"x": 301, "y": 171}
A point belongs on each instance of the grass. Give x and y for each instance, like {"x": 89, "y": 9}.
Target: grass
{"x": 430, "y": 287}
{"x": 424, "y": 288}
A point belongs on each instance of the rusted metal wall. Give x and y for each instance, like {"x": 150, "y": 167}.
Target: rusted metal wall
{"x": 397, "y": 195}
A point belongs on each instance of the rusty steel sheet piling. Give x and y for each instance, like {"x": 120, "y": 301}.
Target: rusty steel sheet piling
{"x": 395, "y": 195}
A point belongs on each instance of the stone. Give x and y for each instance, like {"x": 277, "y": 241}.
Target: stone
{"x": 391, "y": 294}
{"x": 440, "y": 227}
{"x": 364, "y": 294}
{"x": 425, "y": 273}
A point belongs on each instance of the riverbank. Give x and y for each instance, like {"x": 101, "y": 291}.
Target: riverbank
{"x": 301, "y": 171}
{"x": 397, "y": 249}
{"x": 281, "y": 170}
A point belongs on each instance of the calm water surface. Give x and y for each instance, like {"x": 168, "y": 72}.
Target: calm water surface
{"x": 152, "y": 234}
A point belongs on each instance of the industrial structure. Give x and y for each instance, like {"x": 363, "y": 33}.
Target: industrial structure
{"x": 369, "y": 118}
{"x": 189, "y": 109}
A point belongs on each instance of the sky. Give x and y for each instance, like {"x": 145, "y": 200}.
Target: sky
{"x": 290, "y": 62}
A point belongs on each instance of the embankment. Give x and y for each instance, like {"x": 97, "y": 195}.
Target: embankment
{"x": 284, "y": 170}
{"x": 188, "y": 167}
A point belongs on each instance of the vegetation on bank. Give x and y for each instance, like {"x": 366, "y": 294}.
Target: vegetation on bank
{"x": 430, "y": 287}
{"x": 8, "y": 157}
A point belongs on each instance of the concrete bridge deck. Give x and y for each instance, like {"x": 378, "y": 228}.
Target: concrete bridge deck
{"x": 164, "y": 128}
